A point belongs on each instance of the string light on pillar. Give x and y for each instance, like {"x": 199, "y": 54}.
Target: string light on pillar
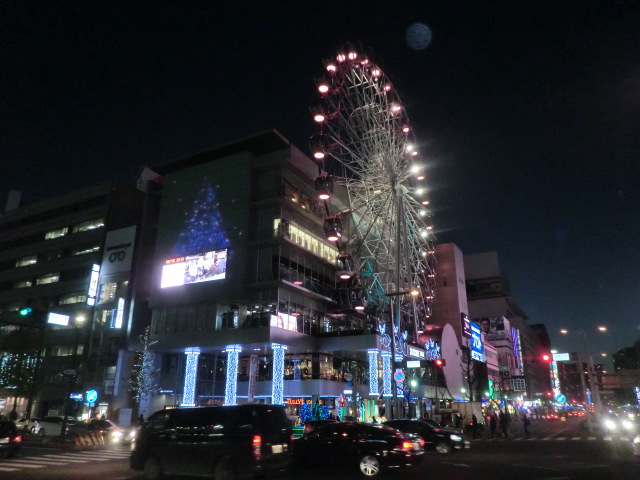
{"x": 386, "y": 374}
{"x": 373, "y": 371}
{"x": 277, "y": 386}
{"x": 231, "y": 385}
{"x": 190, "y": 376}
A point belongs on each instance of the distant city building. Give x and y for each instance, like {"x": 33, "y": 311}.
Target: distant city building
{"x": 68, "y": 261}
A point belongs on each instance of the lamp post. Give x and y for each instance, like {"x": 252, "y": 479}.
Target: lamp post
{"x": 396, "y": 320}
{"x": 593, "y": 381}
{"x": 71, "y": 374}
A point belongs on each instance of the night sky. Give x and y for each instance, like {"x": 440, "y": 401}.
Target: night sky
{"x": 527, "y": 114}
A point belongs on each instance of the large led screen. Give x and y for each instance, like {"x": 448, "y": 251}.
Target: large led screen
{"x": 201, "y": 267}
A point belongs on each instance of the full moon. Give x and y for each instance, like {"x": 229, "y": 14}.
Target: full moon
{"x": 418, "y": 36}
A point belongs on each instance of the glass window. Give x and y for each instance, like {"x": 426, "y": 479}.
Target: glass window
{"x": 72, "y": 298}
{"x": 107, "y": 292}
{"x": 24, "y": 261}
{"x": 60, "y": 232}
{"x": 85, "y": 250}
{"x": 89, "y": 225}
{"x": 48, "y": 278}
{"x": 23, "y": 284}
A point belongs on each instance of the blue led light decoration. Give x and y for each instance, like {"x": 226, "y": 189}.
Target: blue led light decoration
{"x": 386, "y": 374}
{"x": 373, "y": 371}
{"x": 203, "y": 226}
{"x": 190, "y": 375}
{"x": 277, "y": 386}
{"x": 231, "y": 385}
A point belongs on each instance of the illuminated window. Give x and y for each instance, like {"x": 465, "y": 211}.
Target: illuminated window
{"x": 89, "y": 225}
{"x": 48, "y": 278}
{"x": 60, "y": 232}
{"x": 85, "y": 250}
{"x": 107, "y": 292}
{"x": 23, "y": 284}
{"x": 307, "y": 240}
{"x": 24, "y": 261}
{"x": 72, "y": 298}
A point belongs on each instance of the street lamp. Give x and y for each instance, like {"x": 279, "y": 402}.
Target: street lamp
{"x": 71, "y": 374}
{"x": 593, "y": 381}
{"x": 396, "y": 320}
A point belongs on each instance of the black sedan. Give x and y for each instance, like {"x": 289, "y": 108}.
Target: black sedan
{"x": 443, "y": 440}
{"x": 10, "y": 437}
{"x": 365, "y": 447}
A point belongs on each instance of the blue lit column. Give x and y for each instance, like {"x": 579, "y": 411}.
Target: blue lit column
{"x": 386, "y": 374}
{"x": 231, "y": 385}
{"x": 373, "y": 372}
{"x": 277, "y": 389}
{"x": 190, "y": 376}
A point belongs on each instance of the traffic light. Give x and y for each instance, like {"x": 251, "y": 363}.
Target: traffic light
{"x": 546, "y": 357}
{"x": 440, "y": 362}
{"x": 26, "y": 311}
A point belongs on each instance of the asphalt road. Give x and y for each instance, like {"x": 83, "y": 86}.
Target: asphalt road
{"x": 555, "y": 451}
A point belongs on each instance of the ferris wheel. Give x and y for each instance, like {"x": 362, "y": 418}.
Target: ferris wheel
{"x": 365, "y": 146}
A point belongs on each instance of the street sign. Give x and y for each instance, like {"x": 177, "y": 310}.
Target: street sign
{"x": 399, "y": 376}
{"x": 91, "y": 396}
{"x": 560, "y": 398}
{"x": 560, "y": 357}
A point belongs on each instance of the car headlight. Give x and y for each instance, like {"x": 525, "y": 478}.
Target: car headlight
{"x": 636, "y": 440}
{"x": 117, "y": 434}
{"x": 627, "y": 425}
{"x": 610, "y": 424}
{"x": 456, "y": 438}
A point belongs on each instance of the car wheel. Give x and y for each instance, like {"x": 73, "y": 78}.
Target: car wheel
{"x": 369, "y": 465}
{"x": 224, "y": 470}
{"x": 443, "y": 448}
{"x": 41, "y": 432}
{"x": 152, "y": 469}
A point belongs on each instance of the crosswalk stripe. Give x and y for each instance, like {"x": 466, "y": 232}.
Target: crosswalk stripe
{"x": 99, "y": 455}
{"x": 561, "y": 438}
{"x": 576, "y": 438}
{"x": 68, "y": 459}
{"x": 5, "y": 469}
{"x": 24, "y": 465}
{"x": 46, "y": 461}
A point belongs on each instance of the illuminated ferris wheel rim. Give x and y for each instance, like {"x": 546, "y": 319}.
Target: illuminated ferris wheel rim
{"x": 364, "y": 127}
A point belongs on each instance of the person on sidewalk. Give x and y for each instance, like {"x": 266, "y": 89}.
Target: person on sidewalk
{"x": 526, "y": 423}
{"x": 493, "y": 424}
{"x": 474, "y": 426}
{"x": 504, "y": 424}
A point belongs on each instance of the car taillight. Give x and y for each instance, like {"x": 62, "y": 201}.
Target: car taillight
{"x": 257, "y": 446}
{"x": 407, "y": 445}
{"x": 17, "y": 439}
{"x": 422, "y": 442}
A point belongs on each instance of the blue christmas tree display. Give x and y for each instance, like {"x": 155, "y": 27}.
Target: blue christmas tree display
{"x": 203, "y": 230}
{"x": 317, "y": 411}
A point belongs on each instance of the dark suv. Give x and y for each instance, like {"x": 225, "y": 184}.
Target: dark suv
{"x": 443, "y": 439}
{"x": 10, "y": 437}
{"x": 232, "y": 442}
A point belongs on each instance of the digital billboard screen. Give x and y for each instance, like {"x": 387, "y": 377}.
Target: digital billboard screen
{"x": 196, "y": 268}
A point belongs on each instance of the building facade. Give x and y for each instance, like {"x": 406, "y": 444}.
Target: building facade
{"x": 65, "y": 263}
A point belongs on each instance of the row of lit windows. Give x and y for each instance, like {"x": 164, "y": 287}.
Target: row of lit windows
{"x": 63, "y": 350}
{"x": 305, "y": 239}
{"x": 81, "y": 227}
{"x": 33, "y": 259}
{"x": 44, "y": 279}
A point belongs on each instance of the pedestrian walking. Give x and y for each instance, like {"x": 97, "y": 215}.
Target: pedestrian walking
{"x": 474, "y": 425}
{"x": 526, "y": 423}
{"x": 504, "y": 424}
{"x": 493, "y": 424}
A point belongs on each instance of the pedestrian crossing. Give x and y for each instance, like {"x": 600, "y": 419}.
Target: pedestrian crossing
{"x": 562, "y": 438}
{"x": 60, "y": 459}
